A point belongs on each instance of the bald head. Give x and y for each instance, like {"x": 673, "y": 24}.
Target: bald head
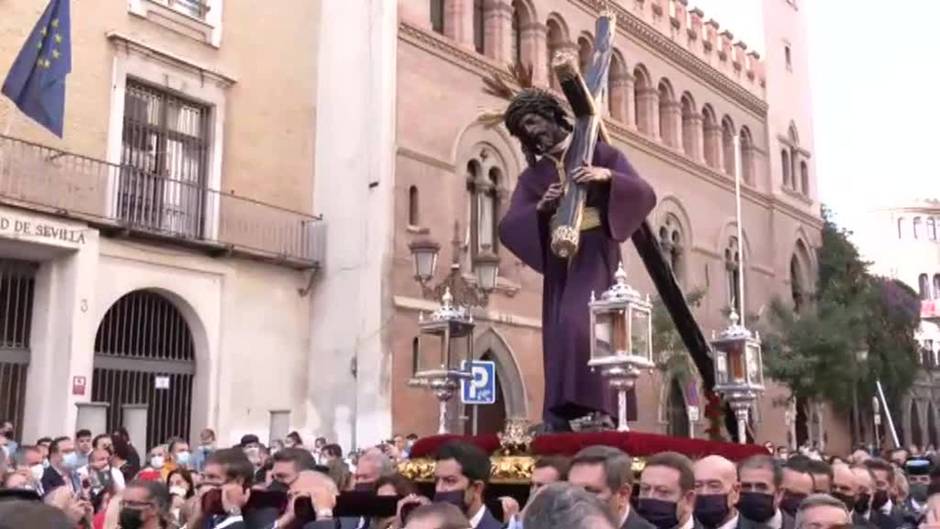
{"x": 309, "y": 480}
{"x": 864, "y": 480}
{"x": 715, "y": 475}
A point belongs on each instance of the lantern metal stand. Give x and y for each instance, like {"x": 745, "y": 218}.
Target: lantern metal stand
{"x": 452, "y": 328}
{"x": 739, "y": 371}
{"x": 621, "y": 339}
{"x": 424, "y": 253}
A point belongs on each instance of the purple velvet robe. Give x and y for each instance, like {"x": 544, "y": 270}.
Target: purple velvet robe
{"x": 571, "y": 390}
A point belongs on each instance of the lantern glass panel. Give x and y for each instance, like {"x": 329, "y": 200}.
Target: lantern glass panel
{"x": 610, "y": 333}
{"x": 640, "y": 333}
{"x": 737, "y": 369}
{"x": 721, "y": 366}
{"x": 487, "y": 273}
{"x": 459, "y": 351}
{"x": 431, "y": 349}
{"x": 424, "y": 264}
{"x": 754, "y": 371}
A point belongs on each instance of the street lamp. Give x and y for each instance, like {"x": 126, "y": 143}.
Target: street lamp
{"x": 441, "y": 365}
{"x": 739, "y": 372}
{"x": 424, "y": 255}
{"x": 860, "y": 358}
{"x": 621, "y": 339}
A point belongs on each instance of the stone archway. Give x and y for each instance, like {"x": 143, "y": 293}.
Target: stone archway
{"x": 491, "y": 343}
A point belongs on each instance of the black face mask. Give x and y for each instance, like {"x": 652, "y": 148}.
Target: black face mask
{"x": 919, "y": 492}
{"x": 791, "y": 502}
{"x": 278, "y": 486}
{"x": 849, "y": 501}
{"x": 757, "y": 506}
{"x": 660, "y": 513}
{"x": 130, "y": 519}
{"x": 863, "y": 503}
{"x": 457, "y": 498}
{"x": 879, "y": 500}
{"x": 711, "y": 509}
{"x": 363, "y": 487}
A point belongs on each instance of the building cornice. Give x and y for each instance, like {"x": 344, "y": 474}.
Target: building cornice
{"x": 479, "y": 314}
{"x": 448, "y": 50}
{"x": 131, "y": 44}
{"x": 629, "y": 24}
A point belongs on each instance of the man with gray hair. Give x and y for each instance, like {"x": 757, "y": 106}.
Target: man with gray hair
{"x": 568, "y": 506}
{"x": 607, "y": 473}
{"x": 822, "y": 511}
{"x": 373, "y": 464}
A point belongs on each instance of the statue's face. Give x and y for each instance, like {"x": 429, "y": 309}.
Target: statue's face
{"x": 538, "y": 133}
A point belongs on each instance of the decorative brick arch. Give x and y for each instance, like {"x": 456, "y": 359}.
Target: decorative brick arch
{"x": 508, "y": 374}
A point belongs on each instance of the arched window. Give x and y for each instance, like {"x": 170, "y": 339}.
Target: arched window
{"x": 747, "y": 156}
{"x": 641, "y": 90}
{"x": 923, "y": 284}
{"x": 936, "y": 286}
{"x": 585, "y": 53}
{"x": 667, "y": 118}
{"x": 415, "y": 355}
{"x": 688, "y": 125}
{"x": 484, "y": 181}
{"x": 437, "y": 16}
{"x": 616, "y": 98}
{"x": 671, "y": 243}
{"x": 479, "y": 26}
{"x": 727, "y": 145}
{"x": 917, "y": 226}
{"x": 712, "y": 135}
{"x": 931, "y": 228}
{"x": 413, "y": 214}
{"x": 796, "y": 284}
{"x": 785, "y": 164}
{"x": 556, "y": 40}
{"x": 804, "y": 178}
{"x": 900, "y": 227}
{"x": 733, "y": 271}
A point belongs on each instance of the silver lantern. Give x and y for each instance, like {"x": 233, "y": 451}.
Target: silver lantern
{"x": 739, "y": 371}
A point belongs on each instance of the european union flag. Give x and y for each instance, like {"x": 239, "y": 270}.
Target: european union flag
{"x": 36, "y": 82}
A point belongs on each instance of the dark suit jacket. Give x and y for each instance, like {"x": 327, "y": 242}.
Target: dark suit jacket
{"x": 860, "y": 522}
{"x": 788, "y": 521}
{"x": 635, "y": 521}
{"x": 51, "y": 479}
{"x": 883, "y": 521}
{"x": 489, "y": 521}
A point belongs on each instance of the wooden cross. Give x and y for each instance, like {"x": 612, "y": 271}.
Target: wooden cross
{"x": 585, "y": 95}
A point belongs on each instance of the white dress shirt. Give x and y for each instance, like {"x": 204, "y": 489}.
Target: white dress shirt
{"x": 478, "y": 517}
{"x": 730, "y": 524}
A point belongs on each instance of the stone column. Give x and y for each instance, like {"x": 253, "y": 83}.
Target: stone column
{"x": 649, "y": 104}
{"x": 497, "y": 24}
{"x": 458, "y": 21}
{"x": 629, "y": 101}
{"x": 713, "y": 147}
{"x": 534, "y": 51}
{"x": 618, "y": 98}
{"x": 673, "y": 128}
{"x": 693, "y": 141}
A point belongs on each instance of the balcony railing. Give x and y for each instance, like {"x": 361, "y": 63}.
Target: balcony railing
{"x": 121, "y": 198}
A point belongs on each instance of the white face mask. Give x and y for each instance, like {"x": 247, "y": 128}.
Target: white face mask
{"x": 37, "y": 471}
{"x": 156, "y": 461}
{"x": 176, "y": 490}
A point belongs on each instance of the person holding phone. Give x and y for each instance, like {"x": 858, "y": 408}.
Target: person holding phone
{"x": 224, "y": 491}
{"x": 311, "y": 500}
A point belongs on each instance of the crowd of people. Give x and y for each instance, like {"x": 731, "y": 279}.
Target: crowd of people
{"x": 101, "y": 481}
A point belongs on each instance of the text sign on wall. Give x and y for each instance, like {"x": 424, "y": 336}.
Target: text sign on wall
{"x": 161, "y": 382}
{"x": 45, "y": 230}
{"x": 78, "y": 385}
{"x": 481, "y": 388}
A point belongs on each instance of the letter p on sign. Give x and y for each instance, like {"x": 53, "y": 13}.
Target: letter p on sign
{"x": 481, "y": 387}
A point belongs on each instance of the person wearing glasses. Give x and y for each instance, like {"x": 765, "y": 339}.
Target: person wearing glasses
{"x": 145, "y": 505}
{"x": 822, "y": 511}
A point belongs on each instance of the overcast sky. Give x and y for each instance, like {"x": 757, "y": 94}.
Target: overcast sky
{"x": 875, "y": 70}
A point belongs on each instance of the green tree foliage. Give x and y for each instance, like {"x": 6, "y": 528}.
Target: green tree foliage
{"x": 668, "y": 348}
{"x": 814, "y": 353}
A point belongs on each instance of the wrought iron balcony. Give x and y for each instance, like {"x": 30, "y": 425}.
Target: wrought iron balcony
{"x": 124, "y": 200}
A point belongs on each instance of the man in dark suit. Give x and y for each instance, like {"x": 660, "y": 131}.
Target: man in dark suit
{"x": 63, "y": 462}
{"x": 716, "y": 493}
{"x": 882, "y": 508}
{"x": 607, "y": 473}
{"x": 864, "y": 488}
{"x": 761, "y": 480}
{"x": 667, "y": 492}
{"x": 461, "y": 474}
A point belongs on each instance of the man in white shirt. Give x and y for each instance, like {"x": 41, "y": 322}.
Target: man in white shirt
{"x": 607, "y": 473}
{"x": 716, "y": 493}
{"x": 667, "y": 491}
{"x": 100, "y": 473}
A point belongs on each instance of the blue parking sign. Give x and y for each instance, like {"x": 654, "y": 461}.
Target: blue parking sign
{"x": 480, "y": 388}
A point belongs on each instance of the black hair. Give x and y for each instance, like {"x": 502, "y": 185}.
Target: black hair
{"x": 302, "y": 459}
{"x": 94, "y": 442}
{"x": 42, "y": 440}
{"x": 54, "y": 446}
{"x": 187, "y": 476}
{"x": 82, "y": 433}
{"x": 474, "y": 463}
{"x": 235, "y": 463}
{"x": 539, "y": 102}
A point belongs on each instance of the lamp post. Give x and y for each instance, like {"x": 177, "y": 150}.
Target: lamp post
{"x": 739, "y": 372}
{"x": 876, "y": 409}
{"x": 621, "y": 339}
{"x": 450, "y": 330}
{"x": 424, "y": 255}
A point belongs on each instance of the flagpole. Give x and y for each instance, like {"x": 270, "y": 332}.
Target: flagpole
{"x": 737, "y": 202}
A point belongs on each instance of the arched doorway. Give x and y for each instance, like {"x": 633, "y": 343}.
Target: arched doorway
{"x": 145, "y": 355}
{"x": 492, "y": 417}
{"x": 677, "y": 416}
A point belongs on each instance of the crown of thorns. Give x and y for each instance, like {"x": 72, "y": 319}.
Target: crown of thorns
{"x": 523, "y": 98}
